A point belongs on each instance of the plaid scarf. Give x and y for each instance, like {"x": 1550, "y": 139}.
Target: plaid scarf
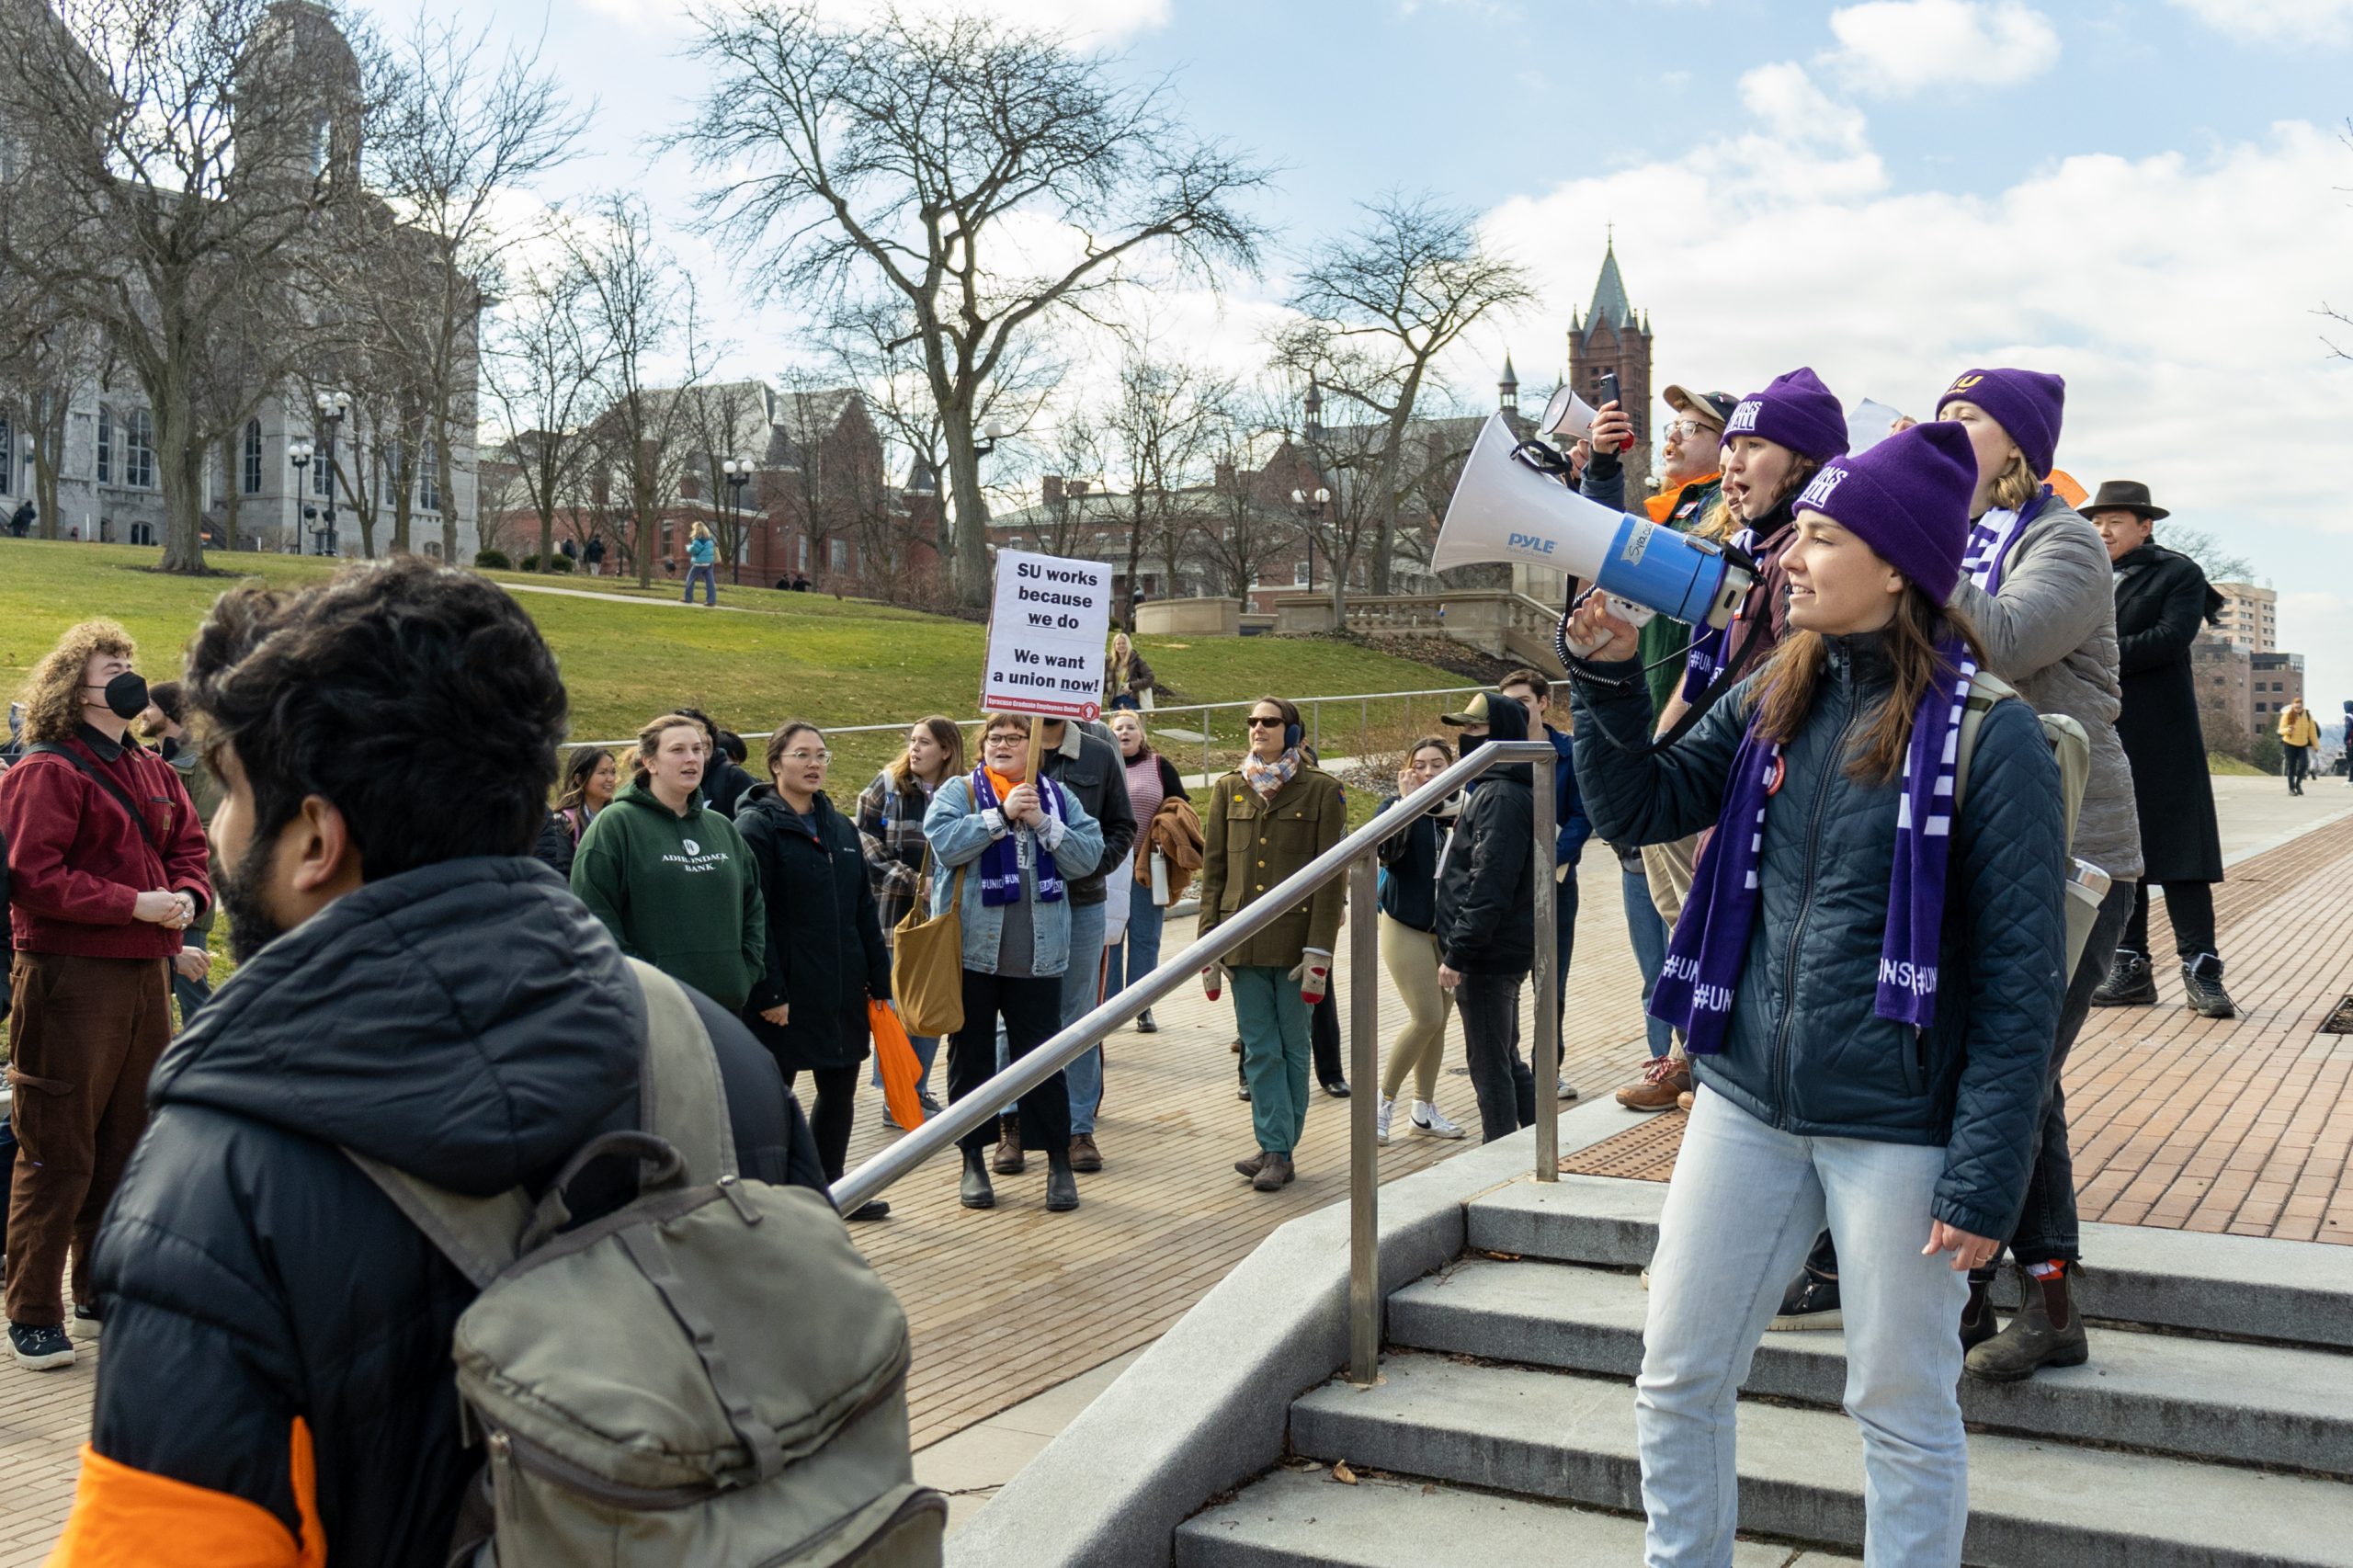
{"x": 1002, "y": 861}
{"x": 1268, "y": 777}
{"x": 1711, "y": 942}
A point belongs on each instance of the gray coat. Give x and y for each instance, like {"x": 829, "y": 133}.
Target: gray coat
{"x": 2051, "y": 632}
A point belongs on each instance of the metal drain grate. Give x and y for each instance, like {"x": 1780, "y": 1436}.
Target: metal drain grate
{"x": 2340, "y": 1019}
{"x": 1639, "y": 1153}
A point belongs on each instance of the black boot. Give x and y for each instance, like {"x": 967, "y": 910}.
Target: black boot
{"x": 1062, "y": 1187}
{"x": 2129, "y": 983}
{"x": 2046, "y": 1333}
{"x": 976, "y": 1191}
{"x": 1978, "y": 1322}
{"x": 2201, "y": 985}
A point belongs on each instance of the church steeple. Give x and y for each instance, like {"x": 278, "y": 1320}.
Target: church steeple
{"x": 1507, "y": 389}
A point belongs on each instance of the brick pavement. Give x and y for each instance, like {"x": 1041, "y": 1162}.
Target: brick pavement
{"x": 2241, "y": 1125}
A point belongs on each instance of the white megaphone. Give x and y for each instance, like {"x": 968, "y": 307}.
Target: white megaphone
{"x": 1506, "y": 510}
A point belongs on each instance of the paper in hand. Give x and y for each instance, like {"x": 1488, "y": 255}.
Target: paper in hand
{"x": 1869, "y": 423}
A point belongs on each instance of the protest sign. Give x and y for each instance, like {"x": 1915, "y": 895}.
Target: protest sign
{"x": 1869, "y": 423}
{"x": 1047, "y": 628}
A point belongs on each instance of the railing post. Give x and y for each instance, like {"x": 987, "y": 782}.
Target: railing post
{"x": 1547, "y": 1065}
{"x": 1364, "y": 1168}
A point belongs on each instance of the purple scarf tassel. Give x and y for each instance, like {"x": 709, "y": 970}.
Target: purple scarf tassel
{"x": 1001, "y": 862}
{"x": 1710, "y": 947}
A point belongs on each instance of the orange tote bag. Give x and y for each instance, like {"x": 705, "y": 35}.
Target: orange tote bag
{"x": 901, "y": 1070}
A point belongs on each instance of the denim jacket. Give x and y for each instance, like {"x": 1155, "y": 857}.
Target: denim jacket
{"x": 960, "y": 834}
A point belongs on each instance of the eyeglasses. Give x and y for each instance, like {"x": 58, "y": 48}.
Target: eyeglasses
{"x": 1684, "y": 428}
{"x": 1257, "y": 724}
{"x": 808, "y": 756}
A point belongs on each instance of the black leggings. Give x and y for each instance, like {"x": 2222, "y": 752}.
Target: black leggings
{"x": 2191, "y": 906}
{"x": 829, "y": 1122}
{"x": 1032, "y": 1010}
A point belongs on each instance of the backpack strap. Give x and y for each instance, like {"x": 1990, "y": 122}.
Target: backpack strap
{"x": 680, "y": 1100}
{"x": 1985, "y": 688}
{"x": 138, "y": 818}
{"x": 2069, "y": 742}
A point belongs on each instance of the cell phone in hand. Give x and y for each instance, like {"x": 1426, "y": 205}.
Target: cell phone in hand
{"x": 1610, "y": 389}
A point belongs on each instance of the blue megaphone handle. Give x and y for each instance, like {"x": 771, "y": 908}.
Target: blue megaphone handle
{"x": 1674, "y": 573}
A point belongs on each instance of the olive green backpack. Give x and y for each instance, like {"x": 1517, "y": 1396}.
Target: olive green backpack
{"x": 708, "y": 1375}
{"x": 2072, "y": 749}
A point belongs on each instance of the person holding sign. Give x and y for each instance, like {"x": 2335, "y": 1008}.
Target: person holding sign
{"x": 1266, "y": 821}
{"x": 1003, "y": 850}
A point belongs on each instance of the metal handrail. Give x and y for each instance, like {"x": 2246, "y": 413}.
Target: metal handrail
{"x": 1358, "y": 858}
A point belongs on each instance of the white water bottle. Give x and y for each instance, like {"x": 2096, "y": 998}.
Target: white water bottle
{"x": 1160, "y": 879}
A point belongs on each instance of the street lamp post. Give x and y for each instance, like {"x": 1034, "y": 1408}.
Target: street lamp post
{"x": 1310, "y": 506}
{"x": 738, "y": 472}
{"x": 299, "y": 451}
{"x": 330, "y": 417}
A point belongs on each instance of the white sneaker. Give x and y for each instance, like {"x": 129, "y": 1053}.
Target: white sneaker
{"x": 1564, "y": 1089}
{"x": 1430, "y": 1121}
{"x": 1381, "y": 1121}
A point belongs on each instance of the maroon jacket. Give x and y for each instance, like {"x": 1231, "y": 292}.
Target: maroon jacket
{"x": 77, "y": 861}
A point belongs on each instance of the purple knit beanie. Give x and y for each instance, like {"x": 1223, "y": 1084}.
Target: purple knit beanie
{"x": 2026, "y": 404}
{"x": 1907, "y": 499}
{"x": 1795, "y": 411}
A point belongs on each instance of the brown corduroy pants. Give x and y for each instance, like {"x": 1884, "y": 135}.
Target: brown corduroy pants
{"x": 85, "y": 1036}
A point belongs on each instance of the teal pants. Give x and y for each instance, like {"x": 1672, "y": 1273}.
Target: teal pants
{"x": 1275, "y": 1047}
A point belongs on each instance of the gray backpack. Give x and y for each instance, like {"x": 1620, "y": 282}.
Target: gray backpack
{"x": 708, "y": 1375}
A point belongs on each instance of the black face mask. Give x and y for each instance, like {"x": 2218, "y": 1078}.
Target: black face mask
{"x": 126, "y": 694}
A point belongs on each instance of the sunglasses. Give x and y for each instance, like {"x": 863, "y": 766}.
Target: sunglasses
{"x": 1257, "y": 724}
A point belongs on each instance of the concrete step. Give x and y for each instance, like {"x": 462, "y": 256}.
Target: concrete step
{"x": 1570, "y": 1438}
{"x": 2298, "y": 1293}
{"x": 2260, "y": 1404}
{"x": 1306, "y": 1519}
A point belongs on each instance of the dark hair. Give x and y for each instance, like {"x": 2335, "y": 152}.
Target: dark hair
{"x": 783, "y": 738}
{"x": 392, "y": 690}
{"x": 1529, "y": 678}
{"x": 170, "y": 699}
{"x": 577, "y": 771}
{"x": 732, "y": 746}
{"x": 1785, "y": 686}
{"x": 710, "y": 726}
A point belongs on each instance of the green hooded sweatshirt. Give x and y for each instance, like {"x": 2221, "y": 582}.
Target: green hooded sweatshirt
{"x": 682, "y": 892}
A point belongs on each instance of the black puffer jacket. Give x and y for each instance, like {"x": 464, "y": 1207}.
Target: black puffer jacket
{"x": 469, "y": 1022}
{"x": 1804, "y": 1050}
{"x": 825, "y": 952}
{"x": 1409, "y": 891}
{"x": 1486, "y": 891}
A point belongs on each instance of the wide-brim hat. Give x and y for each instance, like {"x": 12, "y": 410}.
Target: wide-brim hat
{"x": 1474, "y": 712}
{"x": 1714, "y": 407}
{"x": 2124, "y": 495}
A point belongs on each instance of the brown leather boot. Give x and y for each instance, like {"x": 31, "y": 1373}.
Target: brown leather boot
{"x": 1008, "y": 1159}
{"x": 1083, "y": 1155}
{"x": 1978, "y": 1322}
{"x": 1275, "y": 1175}
{"x": 2046, "y": 1333}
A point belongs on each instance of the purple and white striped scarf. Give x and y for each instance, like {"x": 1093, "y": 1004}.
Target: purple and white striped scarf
{"x": 1001, "y": 862}
{"x": 1710, "y": 646}
{"x": 1710, "y": 945}
{"x": 1993, "y": 537}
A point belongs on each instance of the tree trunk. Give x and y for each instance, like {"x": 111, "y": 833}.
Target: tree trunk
{"x": 232, "y": 482}
{"x": 445, "y": 482}
{"x": 176, "y": 462}
{"x": 971, "y": 511}
{"x": 1339, "y": 594}
{"x": 547, "y": 541}
{"x": 49, "y": 460}
{"x": 648, "y": 528}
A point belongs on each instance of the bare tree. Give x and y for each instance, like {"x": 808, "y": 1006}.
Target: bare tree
{"x": 45, "y": 355}
{"x": 1381, "y": 304}
{"x": 891, "y": 155}
{"x": 544, "y": 371}
{"x": 723, "y": 420}
{"x": 1162, "y": 426}
{"x": 1250, "y": 525}
{"x": 170, "y": 160}
{"x": 639, "y": 311}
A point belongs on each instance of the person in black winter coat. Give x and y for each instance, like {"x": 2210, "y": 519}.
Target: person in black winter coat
{"x": 2162, "y": 600}
{"x": 825, "y": 955}
{"x": 1486, "y": 918}
{"x": 414, "y": 987}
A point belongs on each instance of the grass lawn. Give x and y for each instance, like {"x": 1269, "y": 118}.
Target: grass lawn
{"x": 803, "y": 655}
{"x": 2232, "y": 766}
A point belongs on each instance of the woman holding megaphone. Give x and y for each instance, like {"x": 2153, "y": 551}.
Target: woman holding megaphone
{"x": 1868, "y": 980}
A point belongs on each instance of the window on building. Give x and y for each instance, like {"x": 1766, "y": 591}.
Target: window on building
{"x": 428, "y": 480}
{"x": 1299, "y": 572}
{"x": 7, "y": 454}
{"x": 249, "y": 480}
{"x": 106, "y": 445}
{"x": 143, "y": 533}
{"x": 139, "y": 450}
{"x": 321, "y": 470}
{"x": 838, "y": 555}
{"x": 433, "y": 548}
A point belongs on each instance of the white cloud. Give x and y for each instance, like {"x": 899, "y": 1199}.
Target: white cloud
{"x": 1892, "y": 48}
{"x": 2316, "y": 21}
{"x": 1794, "y": 109}
{"x": 1084, "y": 21}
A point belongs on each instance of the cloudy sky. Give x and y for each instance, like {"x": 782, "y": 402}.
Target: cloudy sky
{"x": 2154, "y": 199}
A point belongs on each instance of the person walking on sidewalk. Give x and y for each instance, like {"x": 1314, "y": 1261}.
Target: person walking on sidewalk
{"x": 1005, "y": 850}
{"x": 108, "y": 870}
{"x": 1869, "y": 982}
{"x": 1152, "y": 784}
{"x": 2298, "y": 741}
{"x": 1486, "y": 918}
{"x": 1533, "y": 692}
{"x": 1409, "y": 946}
{"x": 671, "y": 879}
{"x": 702, "y": 562}
{"x": 890, "y": 835}
{"x": 826, "y": 958}
{"x": 2162, "y": 598}
{"x": 1266, "y": 821}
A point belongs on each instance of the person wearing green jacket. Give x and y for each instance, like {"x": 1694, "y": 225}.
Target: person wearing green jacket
{"x": 672, "y": 879}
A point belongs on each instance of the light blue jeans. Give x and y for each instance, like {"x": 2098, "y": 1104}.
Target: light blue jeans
{"x": 1744, "y": 1207}
{"x": 1136, "y": 954}
{"x": 1081, "y": 982}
